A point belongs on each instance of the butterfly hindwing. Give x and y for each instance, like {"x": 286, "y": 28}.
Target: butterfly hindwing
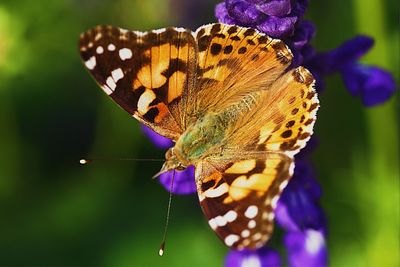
{"x": 283, "y": 117}
{"x": 238, "y": 199}
{"x": 146, "y": 73}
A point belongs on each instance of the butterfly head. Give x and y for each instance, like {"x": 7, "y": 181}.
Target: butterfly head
{"x": 173, "y": 161}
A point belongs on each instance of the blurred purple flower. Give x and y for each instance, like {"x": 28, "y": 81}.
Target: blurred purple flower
{"x": 158, "y": 140}
{"x": 263, "y": 257}
{"x": 306, "y": 248}
{"x": 374, "y": 85}
{"x": 298, "y": 207}
{"x": 184, "y": 182}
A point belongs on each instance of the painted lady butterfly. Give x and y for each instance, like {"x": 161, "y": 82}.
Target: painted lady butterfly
{"x": 227, "y": 98}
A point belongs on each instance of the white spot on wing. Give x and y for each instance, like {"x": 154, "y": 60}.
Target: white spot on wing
{"x": 216, "y": 192}
{"x": 99, "y": 50}
{"x": 251, "y": 224}
{"x": 283, "y": 185}
{"x": 117, "y": 74}
{"x": 220, "y": 221}
{"x": 251, "y": 212}
{"x": 111, "y": 84}
{"x": 139, "y": 34}
{"x": 213, "y": 224}
{"x": 125, "y": 53}
{"x": 245, "y": 233}
{"x": 107, "y": 89}
{"x": 179, "y": 29}
{"x": 274, "y": 201}
{"x": 111, "y": 47}
{"x": 230, "y": 216}
{"x": 91, "y": 63}
{"x": 158, "y": 31}
{"x": 231, "y": 239}
{"x": 291, "y": 169}
{"x": 144, "y": 101}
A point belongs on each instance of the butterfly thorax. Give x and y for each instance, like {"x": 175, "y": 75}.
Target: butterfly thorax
{"x": 202, "y": 138}
{"x": 207, "y": 136}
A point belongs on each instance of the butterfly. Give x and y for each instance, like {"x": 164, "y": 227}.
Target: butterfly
{"x": 227, "y": 97}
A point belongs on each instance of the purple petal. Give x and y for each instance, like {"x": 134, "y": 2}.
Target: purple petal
{"x": 353, "y": 49}
{"x": 278, "y": 27}
{"x": 308, "y": 51}
{"x": 299, "y": 8}
{"x": 304, "y": 178}
{"x": 373, "y": 84}
{"x": 339, "y": 58}
{"x": 264, "y": 257}
{"x": 308, "y": 149}
{"x": 158, "y": 140}
{"x": 306, "y": 248}
{"x": 256, "y": 2}
{"x": 283, "y": 217}
{"x": 244, "y": 13}
{"x": 303, "y": 34}
{"x": 221, "y": 13}
{"x": 184, "y": 182}
{"x": 300, "y": 200}
{"x": 277, "y": 8}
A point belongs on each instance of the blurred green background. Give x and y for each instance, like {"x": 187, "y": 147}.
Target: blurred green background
{"x": 55, "y": 212}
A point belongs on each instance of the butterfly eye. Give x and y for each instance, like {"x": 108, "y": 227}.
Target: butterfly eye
{"x": 169, "y": 153}
{"x": 180, "y": 167}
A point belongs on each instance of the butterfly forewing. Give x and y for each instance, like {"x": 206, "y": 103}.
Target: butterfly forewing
{"x": 146, "y": 73}
{"x": 234, "y": 61}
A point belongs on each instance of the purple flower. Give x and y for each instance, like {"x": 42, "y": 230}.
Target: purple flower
{"x": 306, "y": 248}
{"x": 277, "y": 18}
{"x": 263, "y": 257}
{"x": 348, "y": 53}
{"x": 374, "y": 85}
{"x": 158, "y": 140}
{"x": 277, "y": 26}
{"x": 184, "y": 182}
{"x": 277, "y": 8}
{"x": 222, "y": 14}
{"x": 298, "y": 207}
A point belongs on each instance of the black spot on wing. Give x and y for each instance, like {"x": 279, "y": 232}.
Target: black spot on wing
{"x": 215, "y": 49}
{"x": 204, "y": 42}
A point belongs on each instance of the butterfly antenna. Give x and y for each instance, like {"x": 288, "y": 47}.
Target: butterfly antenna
{"x": 162, "y": 246}
{"x": 87, "y": 161}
